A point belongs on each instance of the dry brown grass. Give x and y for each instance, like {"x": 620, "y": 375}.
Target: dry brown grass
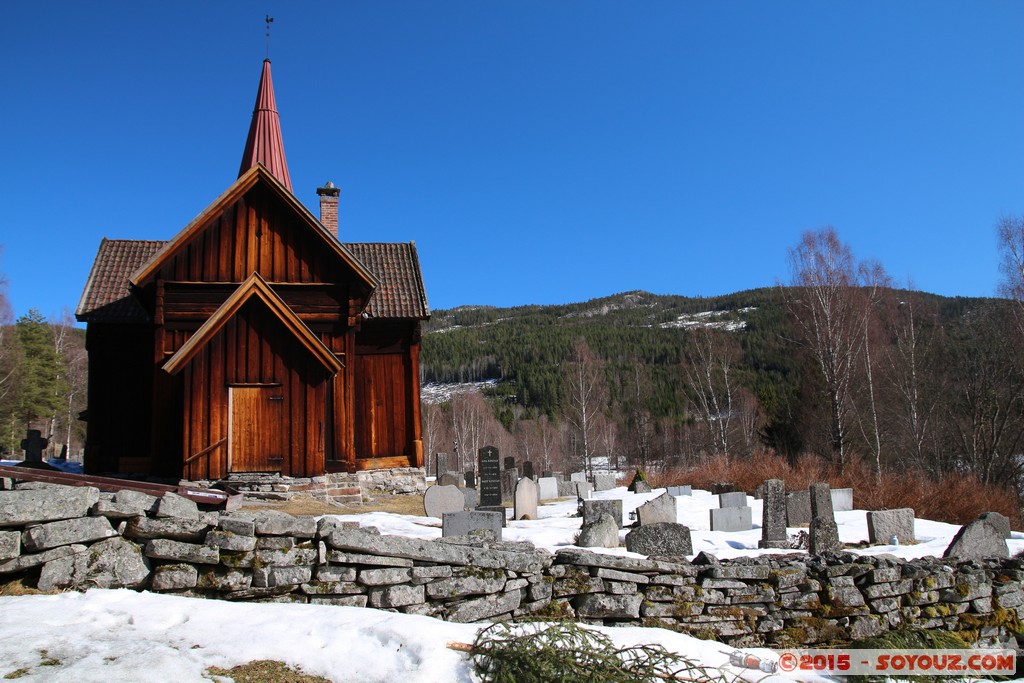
{"x": 17, "y": 587}
{"x": 266, "y": 671}
{"x": 303, "y": 505}
{"x": 956, "y": 499}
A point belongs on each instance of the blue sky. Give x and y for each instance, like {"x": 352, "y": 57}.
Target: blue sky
{"x": 536, "y": 151}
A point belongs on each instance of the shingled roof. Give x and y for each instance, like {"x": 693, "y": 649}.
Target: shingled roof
{"x": 107, "y": 297}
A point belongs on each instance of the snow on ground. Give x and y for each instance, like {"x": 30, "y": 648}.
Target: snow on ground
{"x": 106, "y": 636}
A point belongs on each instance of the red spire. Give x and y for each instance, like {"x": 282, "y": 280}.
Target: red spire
{"x": 265, "y": 144}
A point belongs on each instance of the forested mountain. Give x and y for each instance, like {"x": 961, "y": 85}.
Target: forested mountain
{"x": 913, "y": 381}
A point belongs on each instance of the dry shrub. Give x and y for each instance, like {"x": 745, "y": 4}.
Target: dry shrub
{"x": 956, "y": 499}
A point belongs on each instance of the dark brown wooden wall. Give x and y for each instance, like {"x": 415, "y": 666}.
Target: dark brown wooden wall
{"x": 254, "y": 348}
{"x": 120, "y": 376}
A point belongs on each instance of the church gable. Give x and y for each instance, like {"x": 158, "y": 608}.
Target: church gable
{"x": 255, "y": 226}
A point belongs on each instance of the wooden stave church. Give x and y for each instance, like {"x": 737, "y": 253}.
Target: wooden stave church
{"x": 254, "y": 341}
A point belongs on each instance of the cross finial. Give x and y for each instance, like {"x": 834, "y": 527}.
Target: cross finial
{"x": 270, "y": 20}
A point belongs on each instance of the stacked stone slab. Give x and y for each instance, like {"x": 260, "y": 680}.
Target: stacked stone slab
{"x": 777, "y": 601}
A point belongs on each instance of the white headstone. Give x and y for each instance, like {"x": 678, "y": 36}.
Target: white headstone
{"x": 526, "y": 498}
{"x": 548, "y": 488}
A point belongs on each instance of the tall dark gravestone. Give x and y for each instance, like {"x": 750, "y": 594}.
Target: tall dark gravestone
{"x": 441, "y": 464}
{"x": 528, "y": 470}
{"x": 490, "y": 477}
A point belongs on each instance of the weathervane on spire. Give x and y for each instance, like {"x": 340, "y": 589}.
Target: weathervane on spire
{"x": 270, "y": 20}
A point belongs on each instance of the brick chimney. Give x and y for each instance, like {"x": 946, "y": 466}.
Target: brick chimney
{"x": 329, "y": 206}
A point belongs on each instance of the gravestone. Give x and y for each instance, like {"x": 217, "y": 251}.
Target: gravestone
{"x": 680, "y": 490}
{"x": 731, "y": 519}
{"x": 546, "y": 474}
{"x": 842, "y": 500}
{"x": 33, "y": 445}
{"x": 798, "y": 508}
{"x": 884, "y": 524}
{"x": 733, "y": 499}
{"x": 604, "y": 533}
{"x": 438, "y": 500}
{"x": 499, "y": 510}
{"x": 578, "y": 476}
{"x": 773, "y": 516}
{"x": 759, "y": 492}
{"x": 471, "y": 498}
{"x": 660, "y": 509}
{"x": 823, "y": 536}
{"x": 548, "y": 487}
{"x": 641, "y": 486}
{"x": 510, "y": 463}
{"x": 462, "y": 523}
{"x": 593, "y": 509}
{"x": 723, "y": 487}
{"x": 440, "y": 464}
{"x": 490, "y": 477}
{"x": 470, "y": 477}
{"x": 664, "y": 539}
{"x": 528, "y": 470}
{"x": 567, "y": 489}
{"x": 604, "y": 482}
{"x": 584, "y": 490}
{"x": 526, "y": 499}
{"x": 1000, "y": 521}
{"x": 449, "y": 479}
{"x": 978, "y": 540}
{"x": 509, "y": 478}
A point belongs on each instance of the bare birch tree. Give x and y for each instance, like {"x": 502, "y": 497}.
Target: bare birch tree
{"x": 829, "y": 320}
{"x": 708, "y": 371}
{"x": 1010, "y": 237}
{"x": 587, "y": 399}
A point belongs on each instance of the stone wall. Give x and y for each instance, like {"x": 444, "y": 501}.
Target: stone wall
{"x": 339, "y": 488}
{"x": 59, "y": 537}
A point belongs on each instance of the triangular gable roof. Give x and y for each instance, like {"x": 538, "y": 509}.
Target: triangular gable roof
{"x": 245, "y": 182}
{"x": 257, "y": 287}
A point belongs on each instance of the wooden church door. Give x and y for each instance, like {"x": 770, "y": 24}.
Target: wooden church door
{"x": 254, "y": 440}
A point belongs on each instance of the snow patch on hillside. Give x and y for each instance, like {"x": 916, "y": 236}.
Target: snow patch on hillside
{"x": 436, "y": 393}
{"x": 710, "y": 320}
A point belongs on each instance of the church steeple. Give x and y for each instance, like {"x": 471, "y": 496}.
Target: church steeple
{"x": 265, "y": 144}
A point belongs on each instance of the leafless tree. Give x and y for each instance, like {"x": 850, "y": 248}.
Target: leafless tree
{"x": 708, "y": 371}
{"x": 1010, "y": 238}
{"x": 469, "y": 413}
{"x": 433, "y": 427}
{"x": 829, "y": 315}
{"x": 910, "y": 373}
{"x": 640, "y": 424}
{"x": 587, "y": 399}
